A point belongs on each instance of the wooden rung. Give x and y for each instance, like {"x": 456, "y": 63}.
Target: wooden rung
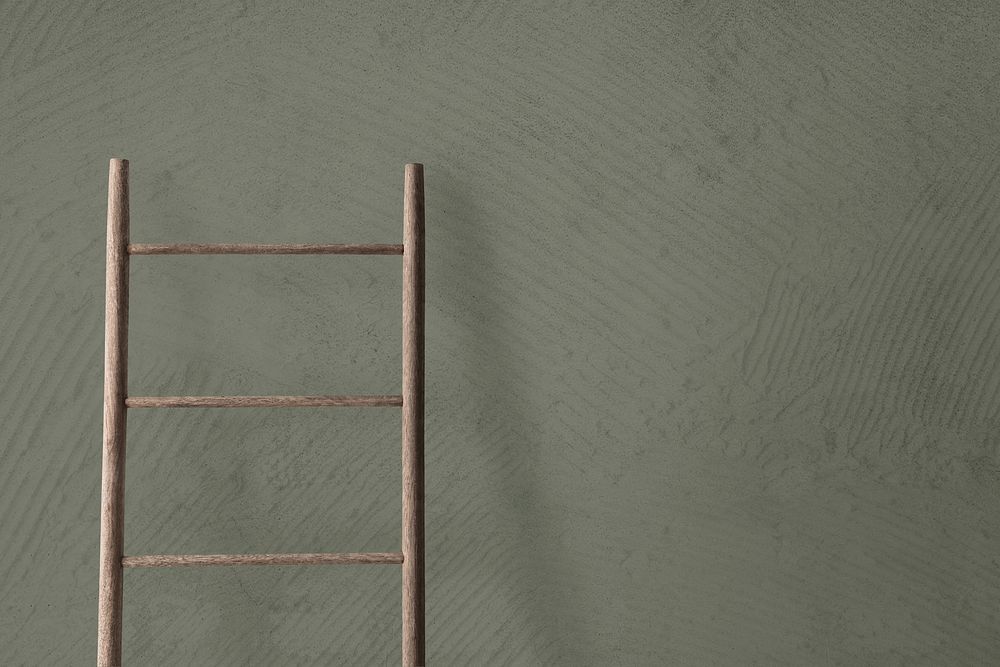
{"x": 265, "y": 249}
{"x": 388, "y": 558}
{"x": 262, "y": 401}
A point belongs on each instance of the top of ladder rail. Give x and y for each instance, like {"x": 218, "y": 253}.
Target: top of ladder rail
{"x": 265, "y": 249}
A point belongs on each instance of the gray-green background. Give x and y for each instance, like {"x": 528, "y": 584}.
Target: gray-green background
{"x": 712, "y": 333}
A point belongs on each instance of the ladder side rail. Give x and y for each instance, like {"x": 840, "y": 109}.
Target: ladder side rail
{"x": 413, "y": 416}
{"x": 109, "y": 633}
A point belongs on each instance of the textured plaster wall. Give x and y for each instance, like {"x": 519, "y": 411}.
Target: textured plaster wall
{"x": 712, "y": 330}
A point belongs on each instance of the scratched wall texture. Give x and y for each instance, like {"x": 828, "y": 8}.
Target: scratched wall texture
{"x": 712, "y": 330}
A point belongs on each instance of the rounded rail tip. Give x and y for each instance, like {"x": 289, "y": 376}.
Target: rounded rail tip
{"x": 120, "y": 161}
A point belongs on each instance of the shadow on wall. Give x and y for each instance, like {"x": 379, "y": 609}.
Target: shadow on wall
{"x": 517, "y": 561}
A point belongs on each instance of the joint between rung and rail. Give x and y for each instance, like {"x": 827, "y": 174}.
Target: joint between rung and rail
{"x": 199, "y": 560}
{"x": 359, "y": 401}
{"x": 265, "y": 249}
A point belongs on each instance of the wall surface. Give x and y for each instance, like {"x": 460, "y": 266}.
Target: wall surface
{"x": 712, "y": 331}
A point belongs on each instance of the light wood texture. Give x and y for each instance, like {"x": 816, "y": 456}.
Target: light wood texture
{"x": 413, "y": 416}
{"x": 265, "y": 249}
{"x": 109, "y": 613}
{"x": 388, "y": 558}
{"x": 262, "y": 401}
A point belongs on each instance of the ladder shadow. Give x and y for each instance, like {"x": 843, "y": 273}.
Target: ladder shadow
{"x": 522, "y": 555}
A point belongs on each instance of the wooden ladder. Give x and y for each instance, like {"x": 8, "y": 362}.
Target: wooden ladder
{"x": 117, "y": 401}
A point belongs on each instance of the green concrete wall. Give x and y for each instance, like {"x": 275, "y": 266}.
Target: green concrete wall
{"x": 712, "y": 333}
